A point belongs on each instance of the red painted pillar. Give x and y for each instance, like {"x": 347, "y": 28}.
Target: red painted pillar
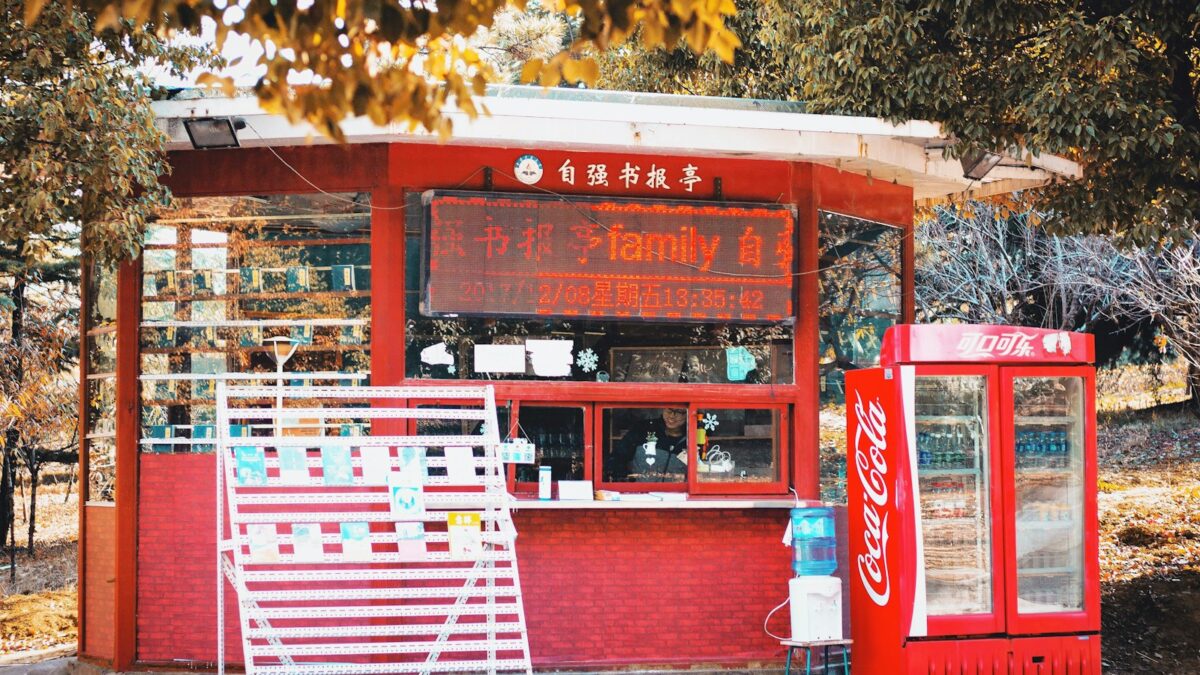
{"x": 126, "y": 482}
{"x": 806, "y": 472}
{"x": 387, "y": 285}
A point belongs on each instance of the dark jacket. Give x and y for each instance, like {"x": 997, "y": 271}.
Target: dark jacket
{"x": 629, "y": 459}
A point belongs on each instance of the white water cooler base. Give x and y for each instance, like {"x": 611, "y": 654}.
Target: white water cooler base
{"x": 816, "y": 608}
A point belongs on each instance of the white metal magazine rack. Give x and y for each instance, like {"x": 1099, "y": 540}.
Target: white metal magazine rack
{"x": 358, "y": 553}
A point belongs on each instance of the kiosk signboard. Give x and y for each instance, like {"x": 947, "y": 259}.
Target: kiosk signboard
{"x": 532, "y": 255}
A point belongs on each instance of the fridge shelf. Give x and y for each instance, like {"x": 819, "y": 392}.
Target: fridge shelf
{"x": 1045, "y": 419}
{"x": 957, "y": 574}
{"x": 923, "y": 472}
{"x": 947, "y": 419}
{"x": 1047, "y": 525}
{"x": 1030, "y": 475}
{"x": 939, "y": 520}
{"x": 1024, "y": 571}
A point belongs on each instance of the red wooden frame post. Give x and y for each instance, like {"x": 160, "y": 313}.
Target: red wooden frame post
{"x": 85, "y": 301}
{"x": 126, "y": 481}
{"x": 387, "y": 285}
{"x": 806, "y": 469}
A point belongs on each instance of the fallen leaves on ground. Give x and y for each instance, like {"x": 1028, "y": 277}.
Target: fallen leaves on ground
{"x": 37, "y": 620}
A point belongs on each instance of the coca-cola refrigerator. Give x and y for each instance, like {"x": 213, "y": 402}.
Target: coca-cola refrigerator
{"x": 971, "y": 484}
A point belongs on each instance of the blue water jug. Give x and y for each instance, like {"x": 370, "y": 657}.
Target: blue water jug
{"x": 814, "y": 542}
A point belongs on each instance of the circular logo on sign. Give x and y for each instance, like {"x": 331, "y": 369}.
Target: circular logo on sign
{"x": 528, "y": 169}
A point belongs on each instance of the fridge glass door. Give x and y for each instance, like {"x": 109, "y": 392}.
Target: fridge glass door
{"x": 954, "y": 476}
{"x": 1048, "y": 438}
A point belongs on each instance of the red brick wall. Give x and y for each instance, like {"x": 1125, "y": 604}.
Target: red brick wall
{"x": 99, "y": 575}
{"x": 602, "y": 587}
{"x": 177, "y": 597}
{"x": 614, "y": 587}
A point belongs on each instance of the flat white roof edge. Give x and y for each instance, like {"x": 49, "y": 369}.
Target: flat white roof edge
{"x": 907, "y": 152}
{"x": 604, "y": 111}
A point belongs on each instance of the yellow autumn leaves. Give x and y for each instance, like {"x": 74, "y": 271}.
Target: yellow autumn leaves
{"x": 399, "y": 61}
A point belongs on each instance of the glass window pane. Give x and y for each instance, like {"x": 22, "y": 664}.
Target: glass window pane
{"x": 102, "y": 473}
{"x": 645, "y": 445}
{"x": 452, "y": 427}
{"x": 229, "y": 272}
{"x": 737, "y": 445}
{"x": 599, "y": 350}
{"x": 860, "y": 295}
{"x": 102, "y": 352}
{"x": 1049, "y": 440}
{"x": 102, "y": 405}
{"x": 952, "y": 469}
{"x": 102, "y": 300}
{"x": 558, "y": 435}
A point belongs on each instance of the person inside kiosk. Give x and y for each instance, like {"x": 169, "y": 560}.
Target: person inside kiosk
{"x": 653, "y": 451}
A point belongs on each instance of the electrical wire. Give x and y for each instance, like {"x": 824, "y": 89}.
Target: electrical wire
{"x": 567, "y": 199}
{"x": 770, "y": 614}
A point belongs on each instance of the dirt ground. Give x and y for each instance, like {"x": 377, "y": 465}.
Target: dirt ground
{"x": 1150, "y": 542}
{"x": 1149, "y": 549}
{"x": 38, "y": 610}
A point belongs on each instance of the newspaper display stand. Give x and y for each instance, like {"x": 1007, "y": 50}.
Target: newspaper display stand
{"x": 313, "y": 602}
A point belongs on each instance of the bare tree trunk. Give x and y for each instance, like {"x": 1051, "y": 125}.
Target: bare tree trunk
{"x": 1193, "y": 385}
{"x": 12, "y": 436}
{"x": 7, "y": 514}
{"x": 34, "y": 472}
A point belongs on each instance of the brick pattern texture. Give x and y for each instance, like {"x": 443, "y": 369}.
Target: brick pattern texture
{"x": 602, "y": 587}
{"x": 99, "y": 562}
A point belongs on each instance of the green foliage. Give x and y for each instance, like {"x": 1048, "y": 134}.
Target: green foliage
{"x": 754, "y": 73}
{"x": 1112, "y": 85}
{"x": 78, "y": 142}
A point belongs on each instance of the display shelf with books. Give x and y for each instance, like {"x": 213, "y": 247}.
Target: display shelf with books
{"x": 415, "y": 525}
{"x": 222, "y": 276}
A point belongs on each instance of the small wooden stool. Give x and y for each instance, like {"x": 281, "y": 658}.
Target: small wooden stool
{"x": 824, "y": 645}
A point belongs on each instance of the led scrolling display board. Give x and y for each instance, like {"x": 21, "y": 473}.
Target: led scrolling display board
{"x": 494, "y": 254}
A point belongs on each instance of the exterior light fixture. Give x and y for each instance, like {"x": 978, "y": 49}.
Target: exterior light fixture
{"x": 977, "y": 163}
{"x": 282, "y": 348}
{"x": 207, "y": 133}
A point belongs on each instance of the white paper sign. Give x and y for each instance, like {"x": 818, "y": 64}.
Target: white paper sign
{"x": 264, "y": 544}
{"x": 356, "y": 542}
{"x": 517, "y": 451}
{"x": 437, "y": 355}
{"x": 550, "y": 358}
{"x": 465, "y": 537}
{"x": 306, "y": 543}
{"x": 499, "y": 358}
{"x": 410, "y": 541}
{"x": 407, "y": 500}
{"x": 460, "y": 465}
{"x": 376, "y": 464}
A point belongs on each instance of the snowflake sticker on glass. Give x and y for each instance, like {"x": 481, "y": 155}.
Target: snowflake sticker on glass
{"x": 587, "y": 360}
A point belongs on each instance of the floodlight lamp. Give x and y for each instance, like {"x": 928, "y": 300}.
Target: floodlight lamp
{"x": 977, "y": 163}
{"x": 207, "y": 133}
{"x": 282, "y": 348}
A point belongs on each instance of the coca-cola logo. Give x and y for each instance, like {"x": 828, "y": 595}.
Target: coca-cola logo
{"x": 986, "y": 346}
{"x": 870, "y": 443}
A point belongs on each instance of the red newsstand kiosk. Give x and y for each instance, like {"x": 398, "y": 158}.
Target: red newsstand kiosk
{"x": 612, "y": 264}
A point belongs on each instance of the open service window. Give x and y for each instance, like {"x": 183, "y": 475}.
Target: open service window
{"x": 739, "y": 449}
{"x": 703, "y": 448}
{"x": 645, "y": 447}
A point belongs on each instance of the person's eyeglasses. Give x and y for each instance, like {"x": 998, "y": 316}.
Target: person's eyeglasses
{"x": 677, "y": 411}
